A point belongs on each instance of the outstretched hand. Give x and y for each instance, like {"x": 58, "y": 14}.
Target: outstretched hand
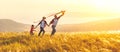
{"x": 63, "y": 12}
{"x": 35, "y": 27}
{"x": 49, "y": 25}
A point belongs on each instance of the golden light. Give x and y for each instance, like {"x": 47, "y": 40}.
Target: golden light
{"x": 91, "y": 9}
{"x": 100, "y": 3}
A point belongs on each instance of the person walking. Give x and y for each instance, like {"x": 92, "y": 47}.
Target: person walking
{"x": 42, "y": 24}
{"x": 54, "y": 21}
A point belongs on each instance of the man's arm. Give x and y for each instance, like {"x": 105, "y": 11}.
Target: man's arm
{"x": 46, "y": 23}
{"x": 61, "y": 14}
{"x": 51, "y": 22}
{"x": 38, "y": 24}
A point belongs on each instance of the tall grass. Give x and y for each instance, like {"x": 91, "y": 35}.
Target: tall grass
{"x": 60, "y": 42}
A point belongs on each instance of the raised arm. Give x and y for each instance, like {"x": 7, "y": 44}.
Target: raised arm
{"x": 61, "y": 14}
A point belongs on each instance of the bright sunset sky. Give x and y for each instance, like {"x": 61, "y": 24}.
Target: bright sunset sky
{"x": 77, "y": 11}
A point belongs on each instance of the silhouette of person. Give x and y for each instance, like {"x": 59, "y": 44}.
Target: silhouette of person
{"x": 42, "y": 24}
{"x": 31, "y": 30}
{"x": 54, "y": 21}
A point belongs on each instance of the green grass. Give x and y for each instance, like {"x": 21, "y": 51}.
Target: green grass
{"x": 60, "y": 42}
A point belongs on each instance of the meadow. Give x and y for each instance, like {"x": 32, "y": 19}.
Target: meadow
{"x": 60, "y": 42}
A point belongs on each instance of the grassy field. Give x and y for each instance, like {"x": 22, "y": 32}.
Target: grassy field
{"x": 60, "y": 42}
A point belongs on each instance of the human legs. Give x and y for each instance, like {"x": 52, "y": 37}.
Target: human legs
{"x": 43, "y": 32}
{"x": 53, "y": 30}
{"x": 41, "y": 29}
{"x": 31, "y": 33}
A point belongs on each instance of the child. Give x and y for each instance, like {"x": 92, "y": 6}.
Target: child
{"x": 31, "y": 30}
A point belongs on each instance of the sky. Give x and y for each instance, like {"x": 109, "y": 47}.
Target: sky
{"x": 77, "y": 11}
